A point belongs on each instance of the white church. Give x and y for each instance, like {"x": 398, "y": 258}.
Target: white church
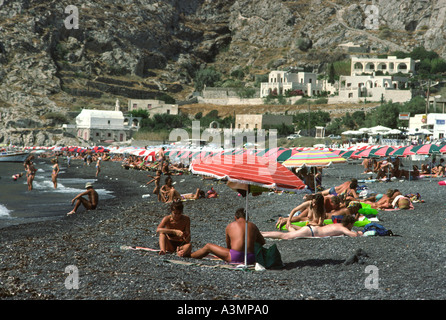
{"x": 98, "y": 126}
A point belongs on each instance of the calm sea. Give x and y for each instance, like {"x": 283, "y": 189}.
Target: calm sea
{"x": 18, "y": 205}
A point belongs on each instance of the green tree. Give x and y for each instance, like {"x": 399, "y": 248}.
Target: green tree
{"x": 331, "y": 74}
{"x": 206, "y": 77}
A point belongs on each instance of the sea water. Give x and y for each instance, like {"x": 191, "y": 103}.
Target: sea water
{"x": 19, "y": 205}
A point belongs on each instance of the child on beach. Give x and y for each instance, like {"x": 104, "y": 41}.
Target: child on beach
{"x": 156, "y": 179}
{"x": 98, "y": 166}
{"x": 174, "y": 232}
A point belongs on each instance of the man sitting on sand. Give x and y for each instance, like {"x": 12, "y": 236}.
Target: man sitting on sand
{"x": 89, "y": 204}
{"x": 174, "y": 232}
{"x": 331, "y": 230}
{"x": 235, "y": 242}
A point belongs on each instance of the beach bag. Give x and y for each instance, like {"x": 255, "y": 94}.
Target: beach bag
{"x": 269, "y": 258}
{"x": 379, "y": 229}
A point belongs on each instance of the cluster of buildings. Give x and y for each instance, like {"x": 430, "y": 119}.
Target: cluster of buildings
{"x": 370, "y": 79}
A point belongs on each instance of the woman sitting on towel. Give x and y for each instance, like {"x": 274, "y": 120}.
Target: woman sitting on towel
{"x": 316, "y": 212}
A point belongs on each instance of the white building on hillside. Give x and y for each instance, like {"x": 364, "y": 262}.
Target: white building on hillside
{"x": 153, "y": 106}
{"x": 105, "y": 125}
{"x": 376, "y": 79}
{"x": 279, "y": 82}
{"x": 390, "y": 65}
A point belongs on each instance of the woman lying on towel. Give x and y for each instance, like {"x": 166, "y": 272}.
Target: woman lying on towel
{"x": 383, "y": 201}
{"x": 331, "y": 230}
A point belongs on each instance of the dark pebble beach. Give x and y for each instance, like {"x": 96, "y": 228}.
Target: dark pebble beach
{"x": 36, "y": 258}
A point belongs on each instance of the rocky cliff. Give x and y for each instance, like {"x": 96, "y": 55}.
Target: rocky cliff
{"x": 57, "y": 56}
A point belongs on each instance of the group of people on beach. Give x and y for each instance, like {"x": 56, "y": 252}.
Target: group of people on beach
{"x": 339, "y": 203}
{"x": 175, "y": 236}
{"x": 392, "y": 167}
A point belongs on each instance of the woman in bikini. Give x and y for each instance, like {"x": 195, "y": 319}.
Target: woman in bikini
{"x": 30, "y": 173}
{"x": 55, "y": 172}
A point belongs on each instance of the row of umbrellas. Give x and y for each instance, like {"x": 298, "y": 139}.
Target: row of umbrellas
{"x": 393, "y": 151}
{"x": 384, "y": 131}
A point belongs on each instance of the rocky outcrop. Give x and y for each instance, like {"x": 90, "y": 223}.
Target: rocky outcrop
{"x": 134, "y": 49}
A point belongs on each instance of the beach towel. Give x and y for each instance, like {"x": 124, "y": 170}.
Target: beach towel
{"x": 198, "y": 263}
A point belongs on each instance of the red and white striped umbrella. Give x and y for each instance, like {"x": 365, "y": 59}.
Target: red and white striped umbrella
{"x": 250, "y": 170}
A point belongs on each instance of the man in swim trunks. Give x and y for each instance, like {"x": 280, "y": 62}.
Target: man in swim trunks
{"x": 235, "y": 242}
{"x": 89, "y": 204}
{"x": 330, "y": 230}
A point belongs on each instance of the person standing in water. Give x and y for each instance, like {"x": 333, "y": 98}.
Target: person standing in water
{"x": 55, "y": 172}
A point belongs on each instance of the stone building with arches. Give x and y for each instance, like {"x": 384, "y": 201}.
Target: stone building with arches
{"x": 386, "y": 66}
{"x": 376, "y": 79}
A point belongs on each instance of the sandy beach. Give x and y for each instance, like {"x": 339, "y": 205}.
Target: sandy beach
{"x": 34, "y": 257}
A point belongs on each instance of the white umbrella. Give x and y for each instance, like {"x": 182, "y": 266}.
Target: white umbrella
{"x": 393, "y": 131}
{"x": 379, "y": 129}
{"x": 351, "y": 133}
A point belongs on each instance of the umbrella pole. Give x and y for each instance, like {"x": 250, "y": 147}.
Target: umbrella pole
{"x": 246, "y": 230}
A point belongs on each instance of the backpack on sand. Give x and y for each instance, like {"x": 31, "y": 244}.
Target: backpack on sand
{"x": 380, "y": 230}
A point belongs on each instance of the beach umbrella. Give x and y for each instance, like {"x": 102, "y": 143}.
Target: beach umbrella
{"x": 402, "y": 152}
{"x": 278, "y": 154}
{"x": 262, "y": 152}
{"x": 384, "y": 151}
{"x": 367, "y": 153}
{"x": 248, "y": 170}
{"x": 426, "y": 149}
{"x": 442, "y": 149}
{"x": 313, "y": 158}
{"x": 348, "y": 154}
{"x": 379, "y": 129}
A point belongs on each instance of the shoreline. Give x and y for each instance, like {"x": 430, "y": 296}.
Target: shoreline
{"x": 35, "y": 256}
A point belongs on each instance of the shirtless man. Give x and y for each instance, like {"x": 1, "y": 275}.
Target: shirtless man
{"x": 89, "y": 204}
{"x": 235, "y": 242}
{"x": 161, "y": 157}
{"x": 331, "y": 230}
{"x": 348, "y": 188}
{"x": 174, "y": 232}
